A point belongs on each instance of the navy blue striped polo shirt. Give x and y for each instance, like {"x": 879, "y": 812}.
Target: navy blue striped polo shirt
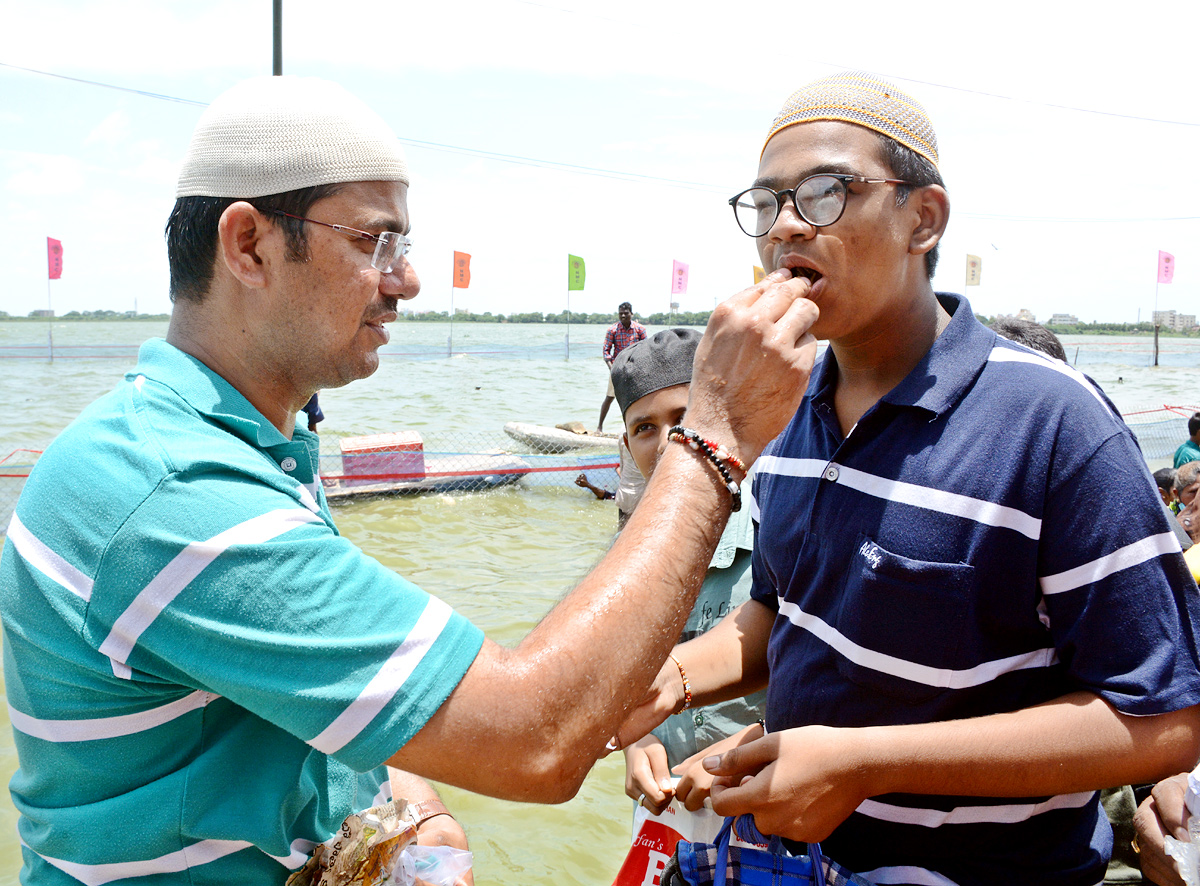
{"x": 986, "y": 538}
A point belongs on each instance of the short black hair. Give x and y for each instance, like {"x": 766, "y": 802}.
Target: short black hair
{"x": 1164, "y": 478}
{"x": 1194, "y": 424}
{"x": 623, "y": 305}
{"x": 191, "y": 233}
{"x": 910, "y": 166}
{"x": 1032, "y": 335}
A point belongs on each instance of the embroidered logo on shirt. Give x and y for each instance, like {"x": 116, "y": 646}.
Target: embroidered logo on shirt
{"x": 871, "y": 553}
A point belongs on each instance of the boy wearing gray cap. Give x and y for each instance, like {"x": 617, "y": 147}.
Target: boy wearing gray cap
{"x": 651, "y": 380}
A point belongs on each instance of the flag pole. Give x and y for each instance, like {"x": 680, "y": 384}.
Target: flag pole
{"x": 568, "y": 319}
{"x": 450, "y": 341}
{"x": 49, "y": 321}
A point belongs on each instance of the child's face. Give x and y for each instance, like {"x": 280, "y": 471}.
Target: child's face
{"x": 647, "y": 421}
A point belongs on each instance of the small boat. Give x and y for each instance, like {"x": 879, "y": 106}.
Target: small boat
{"x": 470, "y": 471}
{"x": 385, "y": 464}
{"x": 546, "y": 439}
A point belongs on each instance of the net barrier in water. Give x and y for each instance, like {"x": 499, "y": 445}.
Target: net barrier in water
{"x": 526, "y": 456}
{"x": 414, "y": 462}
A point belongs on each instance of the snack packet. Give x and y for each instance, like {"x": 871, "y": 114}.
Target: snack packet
{"x": 365, "y": 852}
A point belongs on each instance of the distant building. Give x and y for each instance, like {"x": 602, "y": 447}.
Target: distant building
{"x": 42, "y": 312}
{"x": 1174, "y": 321}
{"x": 1022, "y": 314}
{"x": 1062, "y": 320}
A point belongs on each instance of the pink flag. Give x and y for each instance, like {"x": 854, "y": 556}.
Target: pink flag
{"x": 54, "y": 257}
{"x": 679, "y": 278}
{"x": 1166, "y": 267}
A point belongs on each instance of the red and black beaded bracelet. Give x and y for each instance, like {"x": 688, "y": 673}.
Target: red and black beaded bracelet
{"x": 717, "y": 455}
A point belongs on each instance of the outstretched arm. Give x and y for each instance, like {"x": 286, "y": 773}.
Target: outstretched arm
{"x": 528, "y": 723}
{"x": 802, "y": 783}
{"x": 727, "y": 662}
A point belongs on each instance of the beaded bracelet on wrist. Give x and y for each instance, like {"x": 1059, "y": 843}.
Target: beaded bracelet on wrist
{"x": 687, "y": 687}
{"x": 718, "y": 457}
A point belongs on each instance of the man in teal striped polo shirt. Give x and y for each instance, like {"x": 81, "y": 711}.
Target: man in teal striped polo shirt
{"x": 203, "y": 677}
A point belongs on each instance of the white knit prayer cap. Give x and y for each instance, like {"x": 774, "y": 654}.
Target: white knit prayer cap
{"x": 269, "y": 135}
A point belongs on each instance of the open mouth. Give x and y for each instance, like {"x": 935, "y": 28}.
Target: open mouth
{"x": 813, "y": 276}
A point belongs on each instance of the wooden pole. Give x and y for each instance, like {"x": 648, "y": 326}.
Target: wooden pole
{"x": 49, "y": 322}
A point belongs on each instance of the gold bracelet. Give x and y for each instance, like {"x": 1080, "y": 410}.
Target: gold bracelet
{"x": 687, "y": 687}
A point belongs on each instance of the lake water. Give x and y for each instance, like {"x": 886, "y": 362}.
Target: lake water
{"x": 503, "y": 557}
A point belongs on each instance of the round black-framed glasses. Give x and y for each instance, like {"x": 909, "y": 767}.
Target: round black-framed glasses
{"x": 389, "y": 246}
{"x": 819, "y": 199}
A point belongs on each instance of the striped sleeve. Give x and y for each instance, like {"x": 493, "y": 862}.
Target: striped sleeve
{"x": 274, "y": 611}
{"x": 1119, "y": 600}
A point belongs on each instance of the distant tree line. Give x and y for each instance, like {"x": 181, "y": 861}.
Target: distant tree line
{"x": 86, "y": 315}
{"x": 679, "y": 318}
{"x": 1093, "y": 328}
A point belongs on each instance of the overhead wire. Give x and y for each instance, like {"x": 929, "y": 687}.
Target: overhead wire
{"x": 623, "y": 175}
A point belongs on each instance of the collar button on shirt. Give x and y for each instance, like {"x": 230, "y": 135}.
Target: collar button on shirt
{"x": 288, "y": 464}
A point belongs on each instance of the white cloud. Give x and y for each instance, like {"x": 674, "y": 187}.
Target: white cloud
{"x": 112, "y": 130}
{"x": 43, "y": 174}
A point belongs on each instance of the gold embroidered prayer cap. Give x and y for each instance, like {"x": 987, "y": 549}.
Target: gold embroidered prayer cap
{"x": 866, "y": 100}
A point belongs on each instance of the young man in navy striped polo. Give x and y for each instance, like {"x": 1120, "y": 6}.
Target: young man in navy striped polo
{"x": 968, "y": 607}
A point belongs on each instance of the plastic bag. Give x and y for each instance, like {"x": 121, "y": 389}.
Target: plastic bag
{"x": 1187, "y": 854}
{"x": 435, "y": 865}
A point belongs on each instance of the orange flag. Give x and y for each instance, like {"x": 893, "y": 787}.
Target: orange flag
{"x": 462, "y": 270}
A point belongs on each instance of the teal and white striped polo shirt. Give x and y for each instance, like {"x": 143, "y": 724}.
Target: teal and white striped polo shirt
{"x": 203, "y": 677}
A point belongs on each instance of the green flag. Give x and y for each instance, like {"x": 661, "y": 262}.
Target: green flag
{"x": 576, "y": 272}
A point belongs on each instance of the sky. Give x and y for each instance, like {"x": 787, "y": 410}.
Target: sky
{"x": 617, "y": 131}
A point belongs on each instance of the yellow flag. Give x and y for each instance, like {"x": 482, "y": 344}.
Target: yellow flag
{"x": 974, "y": 269}
{"x": 759, "y": 273}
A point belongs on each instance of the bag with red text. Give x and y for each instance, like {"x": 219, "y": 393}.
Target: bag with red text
{"x": 655, "y": 837}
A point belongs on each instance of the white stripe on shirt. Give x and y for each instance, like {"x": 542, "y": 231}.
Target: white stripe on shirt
{"x": 1005, "y": 814}
{"x": 1012, "y": 355}
{"x": 944, "y": 678}
{"x": 387, "y": 682}
{"x": 906, "y": 875}
{"x": 1122, "y": 558}
{"x": 108, "y": 727}
{"x": 172, "y": 863}
{"x": 925, "y": 497}
{"x": 38, "y": 555}
{"x": 301, "y": 850}
{"x": 308, "y": 493}
{"x": 186, "y": 565}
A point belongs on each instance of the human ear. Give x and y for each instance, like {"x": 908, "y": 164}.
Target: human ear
{"x": 932, "y": 207}
{"x": 240, "y": 234}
